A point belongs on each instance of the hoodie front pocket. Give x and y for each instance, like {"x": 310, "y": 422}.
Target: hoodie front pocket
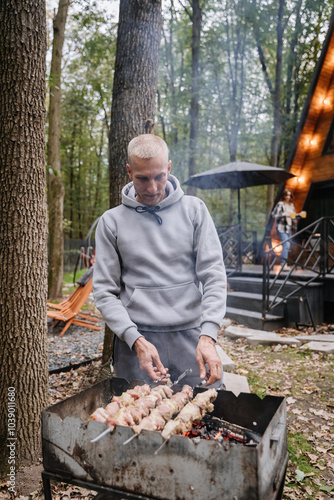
{"x": 166, "y": 306}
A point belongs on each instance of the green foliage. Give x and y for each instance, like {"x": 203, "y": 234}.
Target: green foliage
{"x": 236, "y": 105}
{"x": 298, "y": 447}
{"x": 68, "y": 277}
{"x": 68, "y": 285}
{"x": 257, "y": 385}
{"x": 86, "y": 94}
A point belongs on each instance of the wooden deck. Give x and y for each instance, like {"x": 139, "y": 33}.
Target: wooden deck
{"x": 257, "y": 270}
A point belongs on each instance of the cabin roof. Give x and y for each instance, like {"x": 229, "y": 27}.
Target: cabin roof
{"x": 310, "y": 156}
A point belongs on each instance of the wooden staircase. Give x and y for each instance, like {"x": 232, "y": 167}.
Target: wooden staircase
{"x": 244, "y": 302}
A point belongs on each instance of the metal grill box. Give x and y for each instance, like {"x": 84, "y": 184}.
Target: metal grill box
{"x": 182, "y": 470}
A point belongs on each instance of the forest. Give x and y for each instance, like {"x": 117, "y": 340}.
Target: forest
{"x": 218, "y": 80}
{"x": 241, "y": 92}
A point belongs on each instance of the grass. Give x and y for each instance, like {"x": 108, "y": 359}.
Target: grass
{"x": 68, "y": 277}
{"x": 256, "y": 384}
{"x": 68, "y": 280}
{"x": 297, "y": 373}
{"x": 298, "y": 446}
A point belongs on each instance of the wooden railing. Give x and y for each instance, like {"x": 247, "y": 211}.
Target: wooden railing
{"x": 312, "y": 250}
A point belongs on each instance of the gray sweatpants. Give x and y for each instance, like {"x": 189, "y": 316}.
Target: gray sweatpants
{"x": 176, "y": 351}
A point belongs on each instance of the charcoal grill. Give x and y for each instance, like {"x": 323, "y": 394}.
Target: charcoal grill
{"x": 183, "y": 469}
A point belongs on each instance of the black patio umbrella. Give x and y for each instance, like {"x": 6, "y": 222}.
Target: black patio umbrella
{"x": 237, "y": 175}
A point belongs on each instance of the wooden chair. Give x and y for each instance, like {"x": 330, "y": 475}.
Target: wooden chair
{"x": 68, "y": 310}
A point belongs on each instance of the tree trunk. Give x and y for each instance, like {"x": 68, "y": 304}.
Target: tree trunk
{"x": 134, "y": 93}
{"x": 135, "y": 83}
{"x": 98, "y": 173}
{"x": 170, "y": 45}
{"x": 70, "y": 192}
{"x": 275, "y": 92}
{"x": 276, "y": 134}
{"x": 23, "y": 229}
{"x": 55, "y": 184}
{"x": 196, "y": 18}
{"x": 289, "y": 124}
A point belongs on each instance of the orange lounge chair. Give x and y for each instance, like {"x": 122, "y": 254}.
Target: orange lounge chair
{"x": 68, "y": 310}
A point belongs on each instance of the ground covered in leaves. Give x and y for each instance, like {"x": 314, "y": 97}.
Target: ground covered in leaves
{"x": 304, "y": 378}
{"x": 77, "y": 346}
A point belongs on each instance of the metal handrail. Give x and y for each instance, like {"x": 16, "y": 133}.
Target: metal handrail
{"x": 239, "y": 246}
{"x": 312, "y": 250}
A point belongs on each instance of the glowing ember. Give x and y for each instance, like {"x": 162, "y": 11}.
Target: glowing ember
{"x": 214, "y": 428}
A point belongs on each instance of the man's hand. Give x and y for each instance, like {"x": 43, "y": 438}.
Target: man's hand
{"x": 206, "y": 353}
{"x": 149, "y": 360}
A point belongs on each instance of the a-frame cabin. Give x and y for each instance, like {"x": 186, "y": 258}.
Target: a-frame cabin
{"x": 311, "y": 160}
{"x": 312, "y": 154}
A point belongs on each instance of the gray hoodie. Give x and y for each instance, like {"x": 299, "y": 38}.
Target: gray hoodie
{"x": 159, "y": 269}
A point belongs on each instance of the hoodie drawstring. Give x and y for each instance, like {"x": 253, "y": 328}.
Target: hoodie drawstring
{"x": 141, "y": 210}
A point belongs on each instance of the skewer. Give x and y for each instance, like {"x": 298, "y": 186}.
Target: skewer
{"x": 100, "y": 436}
{"x": 161, "y": 446}
{"x": 151, "y": 385}
{"x": 203, "y": 382}
{"x": 156, "y": 381}
{"x": 130, "y": 439}
{"x": 106, "y": 431}
{"x": 189, "y": 370}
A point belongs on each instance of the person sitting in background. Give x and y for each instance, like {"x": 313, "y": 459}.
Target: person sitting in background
{"x": 285, "y": 215}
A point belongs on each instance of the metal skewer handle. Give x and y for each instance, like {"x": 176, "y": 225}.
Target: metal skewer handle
{"x": 160, "y": 447}
{"x": 189, "y": 370}
{"x": 100, "y": 436}
{"x": 130, "y": 439}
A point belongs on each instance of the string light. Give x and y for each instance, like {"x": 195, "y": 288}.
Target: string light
{"x": 300, "y": 179}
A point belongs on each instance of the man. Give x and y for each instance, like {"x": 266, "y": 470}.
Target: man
{"x": 159, "y": 277}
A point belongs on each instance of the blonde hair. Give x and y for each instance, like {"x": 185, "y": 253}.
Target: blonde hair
{"x": 147, "y": 146}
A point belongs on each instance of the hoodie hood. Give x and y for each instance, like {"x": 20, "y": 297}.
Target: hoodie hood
{"x": 174, "y": 193}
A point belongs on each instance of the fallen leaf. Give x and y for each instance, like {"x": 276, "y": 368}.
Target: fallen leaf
{"x": 321, "y": 467}
{"x": 323, "y": 450}
{"x": 243, "y": 372}
{"x": 300, "y": 476}
{"x": 312, "y": 457}
{"x": 327, "y": 488}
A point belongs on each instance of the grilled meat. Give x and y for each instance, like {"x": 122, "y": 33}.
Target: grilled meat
{"x": 134, "y": 413}
{"x": 117, "y": 402}
{"x": 192, "y": 412}
{"x": 165, "y": 410}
